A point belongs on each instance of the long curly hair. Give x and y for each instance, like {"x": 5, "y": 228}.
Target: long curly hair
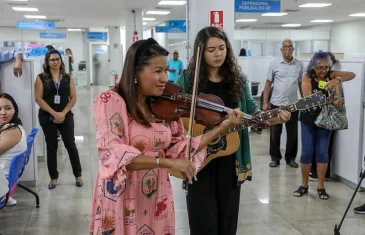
{"x": 230, "y": 69}
{"x": 47, "y": 68}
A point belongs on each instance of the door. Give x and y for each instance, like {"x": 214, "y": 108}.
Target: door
{"x": 100, "y": 57}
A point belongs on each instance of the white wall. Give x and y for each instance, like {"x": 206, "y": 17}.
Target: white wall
{"x": 347, "y": 37}
{"x": 73, "y": 40}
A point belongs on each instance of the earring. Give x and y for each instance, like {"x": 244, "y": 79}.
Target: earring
{"x": 135, "y": 80}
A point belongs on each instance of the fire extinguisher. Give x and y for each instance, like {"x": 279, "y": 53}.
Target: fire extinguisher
{"x": 116, "y": 79}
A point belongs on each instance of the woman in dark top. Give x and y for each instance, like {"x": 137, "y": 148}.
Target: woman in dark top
{"x": 315, "y": 138}
{"x": 213, "y": 201}
{"x": 55, "y": 93}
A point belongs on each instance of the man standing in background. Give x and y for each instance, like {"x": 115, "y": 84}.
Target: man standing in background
{"x": 285, "y": 75}
{"x": 175, "y": 67}
{"x": 7, "y": 56}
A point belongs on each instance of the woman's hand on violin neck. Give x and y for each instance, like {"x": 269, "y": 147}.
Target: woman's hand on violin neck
{"x": 234, "y": 118}
{"x": 184, "y": 166}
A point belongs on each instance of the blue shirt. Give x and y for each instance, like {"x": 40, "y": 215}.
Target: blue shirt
{"x": 177, "y": 65}
{"x": 6, "y": 56}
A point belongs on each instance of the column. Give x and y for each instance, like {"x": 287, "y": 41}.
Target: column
{"x": 199, "y": 15}
{"x": 133, "y": 23}
{"x": 115, "y": 55}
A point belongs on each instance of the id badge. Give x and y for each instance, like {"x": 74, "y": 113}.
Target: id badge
{"x": 57, "y": 99}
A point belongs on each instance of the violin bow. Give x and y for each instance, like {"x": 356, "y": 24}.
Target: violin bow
{"x": 192, "y": 109}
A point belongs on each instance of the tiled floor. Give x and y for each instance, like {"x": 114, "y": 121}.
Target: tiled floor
{"x": 267, "y": 205}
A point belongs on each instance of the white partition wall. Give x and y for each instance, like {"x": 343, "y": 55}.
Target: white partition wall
{"x": 22, "y": 91}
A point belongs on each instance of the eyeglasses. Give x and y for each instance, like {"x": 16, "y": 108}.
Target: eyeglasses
{"x": 288, "y": 48}
{"x": 54, "y": 60}
{"x": 323, "y": 68}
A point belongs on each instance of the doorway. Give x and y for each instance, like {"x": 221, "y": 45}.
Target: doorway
{"x": 100, "y": 64}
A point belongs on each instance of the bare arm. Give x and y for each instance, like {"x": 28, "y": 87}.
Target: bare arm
{"x": 306, "y": 85}
{"x": 38, "y": 91}
{"x": 267, "y": 94}
{"x": 72, "y": 100}
{"x": 9, "y": 139}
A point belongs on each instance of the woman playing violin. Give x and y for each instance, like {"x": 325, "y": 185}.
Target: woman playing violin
{"x": 213, "y": 200}
{"x": 133, "y": 193}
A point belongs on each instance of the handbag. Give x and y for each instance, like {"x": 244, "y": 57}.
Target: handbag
{"x": 333, "y": 117}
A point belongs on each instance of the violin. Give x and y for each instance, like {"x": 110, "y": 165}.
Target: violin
{"x": 175, "y": 104}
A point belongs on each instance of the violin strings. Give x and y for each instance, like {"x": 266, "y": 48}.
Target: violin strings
{"x": 211, "y": 105}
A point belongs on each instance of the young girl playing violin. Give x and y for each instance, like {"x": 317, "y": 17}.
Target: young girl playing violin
{"x": 133, "y": 193}
{"x": 213, "y": 200}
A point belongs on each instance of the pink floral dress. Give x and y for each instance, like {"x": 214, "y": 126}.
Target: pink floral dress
{"x": 137, "y": 202}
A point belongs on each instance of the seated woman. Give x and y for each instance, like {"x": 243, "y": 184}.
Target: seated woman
{"x": 13, "y": 139}
{"x": 3, "y": 184}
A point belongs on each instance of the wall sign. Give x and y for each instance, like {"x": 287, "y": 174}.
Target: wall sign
{"x": 257, "y": 6}
{"x": 52, "y": 35}
{"x": 97, "y": 36}
{"x": 36, "y": 25}
{"x": 216, "y": 19}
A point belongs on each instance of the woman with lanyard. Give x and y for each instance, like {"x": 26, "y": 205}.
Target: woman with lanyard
{"x": 213, "y": 200}
{"x": 55, "y": 93}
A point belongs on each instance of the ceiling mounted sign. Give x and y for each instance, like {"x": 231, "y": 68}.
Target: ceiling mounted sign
{"x": 257, "y": 6}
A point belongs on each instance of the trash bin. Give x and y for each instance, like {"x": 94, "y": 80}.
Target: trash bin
{"x": 255, "y": 88}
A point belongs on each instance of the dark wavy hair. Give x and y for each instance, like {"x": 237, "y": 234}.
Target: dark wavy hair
{"x": 47, "y": 69}
{"x": 138, "y": 56}
{"x": 230, "y": 69}
{"x": 317, "y": 57}
{"x": 15, "y": 121}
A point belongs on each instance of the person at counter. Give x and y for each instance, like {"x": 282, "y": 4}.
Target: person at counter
{"x": 313, "y": 137}
{"x": 284, "y": 75}
{"x": 7, "y": 56}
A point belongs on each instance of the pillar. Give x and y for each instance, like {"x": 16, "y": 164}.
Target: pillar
{"x": 199, "y": 15}
{"x": 115, "y": 54}
{"x": 133, "y": 23}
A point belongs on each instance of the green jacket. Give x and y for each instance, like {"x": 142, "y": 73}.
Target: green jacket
{"x": 247, "y": 105}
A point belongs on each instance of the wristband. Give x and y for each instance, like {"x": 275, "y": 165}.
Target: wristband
{"x": 158, "y": 161}
{"x": 339, "y": 79}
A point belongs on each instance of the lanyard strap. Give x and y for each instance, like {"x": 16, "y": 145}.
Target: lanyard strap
{"x": 57, "y": 85}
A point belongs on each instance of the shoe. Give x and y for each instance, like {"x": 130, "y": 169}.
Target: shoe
{"x": 360, "y": 209}
{"x": 313, "y": 176}
{"x": 292, "y": 164}
{"x": 52, "y": 186}
{"x": 274, "y": 164}
{"x": 79, "y": 183}
{"x": 11, "y": 202}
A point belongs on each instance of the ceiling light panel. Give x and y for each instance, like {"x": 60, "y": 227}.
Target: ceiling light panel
{"x": 35, "y": 17}
{"x": 171, "y": 3}
{"x": 157, "y": 12}
{"x": 291, "y": 25}
{"x": 313, "y": 5}
{"x": 322, "y": 21}
{"x": 275, "y": 14}
{"x": 246, "y": 20}
{"x": 358, "y": 15}
{"x": 24, "y": 9}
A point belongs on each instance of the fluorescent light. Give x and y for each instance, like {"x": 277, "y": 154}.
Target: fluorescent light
{"x": 25, "y": 9}
{"x": 322, "y": 21}
{"x": 75, "y": 30}
{"x": 291, "y": 25}
{"x": 18, "y": 0}
{"x": 144, "y": 23}
{"x": 35, "y": 17}
{"x": 275, "y": 14}
{"x": 358, "y": 15}
{"x": 264, "y": 201}
{"x": 157, "y": 12}
{"x": 172, "y": 3}
{"x": 316, "y": 5}
{"x": 148, "y": 19}
{"x": 246, "y": 20}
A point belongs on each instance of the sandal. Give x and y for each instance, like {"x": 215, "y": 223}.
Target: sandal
{"x": 322, "y": 194}
{"x": 301, "y": 191}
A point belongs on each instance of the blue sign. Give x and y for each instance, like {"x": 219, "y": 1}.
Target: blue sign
{"x": 52, "y": 35}
{"x": 97, "y": 36}
{"x": 37, "y": 52}
{"x": 257, "y": 6}
{"x": 174, "y": 26}
{"x": 36, "y": 25}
